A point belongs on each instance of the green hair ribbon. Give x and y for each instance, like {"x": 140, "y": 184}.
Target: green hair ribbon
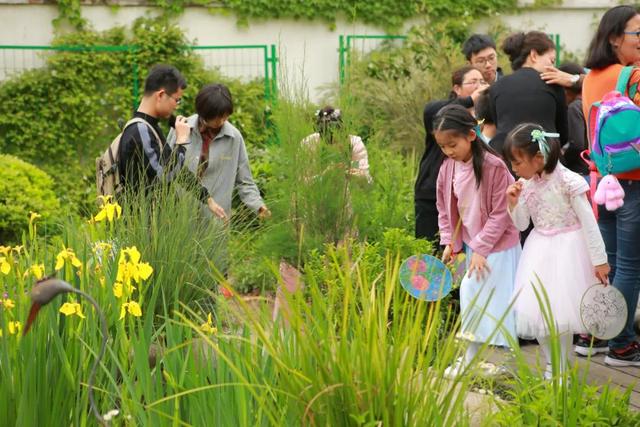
{"x": 540, "y": 137}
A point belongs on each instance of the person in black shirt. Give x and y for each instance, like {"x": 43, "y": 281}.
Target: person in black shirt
{"x": 467, "y": 83}
{"x": 144, "y": 157}
{"x": 523, "y": 97}
{"x": 577, "y": 128}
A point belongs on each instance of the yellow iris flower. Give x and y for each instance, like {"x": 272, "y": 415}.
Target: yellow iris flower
{"x": 5, "y": 267}
{"x": 67, "y": 254}
{"x": 208, "y": 327}
{"x": 130, "y": 270}
{"x": 117, "y": 290}
{"x": 37, "y": 270}
{"x": 15, "y": 327}
{"x": 110, "y": 210}
{"x": 132, "y": 307}
{"x": 7, "y": 303}
{"x": 5, "y": 250}
{"x": 33, "y": 216}
{"x": 71, "y": 308}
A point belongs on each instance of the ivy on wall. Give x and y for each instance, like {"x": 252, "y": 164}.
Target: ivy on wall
{"x": 387, "y": 14}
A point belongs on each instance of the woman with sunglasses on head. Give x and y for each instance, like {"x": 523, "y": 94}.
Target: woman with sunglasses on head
{"x": 216, "y": 153}
{"x": 615, "y": 45}
{"x": 466, "y": 84}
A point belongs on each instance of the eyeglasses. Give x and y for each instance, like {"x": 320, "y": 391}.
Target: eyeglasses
{"x": 633, "y": 33}
{"x": 474, "y": 82}
{"x": 483, "y": 61}
{"x": 177, "y": 100}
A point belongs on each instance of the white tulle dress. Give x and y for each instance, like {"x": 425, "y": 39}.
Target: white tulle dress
{"x": 560, "y": 253}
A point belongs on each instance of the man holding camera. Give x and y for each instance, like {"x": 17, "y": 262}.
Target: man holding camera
{"x": 144, "y": 157}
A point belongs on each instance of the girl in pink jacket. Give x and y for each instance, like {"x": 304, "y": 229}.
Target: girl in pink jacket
{"x": 473, "y": 216}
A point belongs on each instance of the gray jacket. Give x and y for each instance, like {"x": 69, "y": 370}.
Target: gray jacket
{"x": 228, "y": 166}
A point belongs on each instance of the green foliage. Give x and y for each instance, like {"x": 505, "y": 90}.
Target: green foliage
{"x": 578, "y": 404}
{"x": 388, "y": 201}
{"x": 389, "y": 87}
{"x": 369, "y": 255}
{"x": 23, "y": 189}
{"x": 70, "y": 11}
{"x": 388, "y": 14}
{"x": 62, "y": 116}
{"x": 175, "y": 234}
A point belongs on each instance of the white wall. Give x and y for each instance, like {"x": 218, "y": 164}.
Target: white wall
{"x": 307, "y": 50}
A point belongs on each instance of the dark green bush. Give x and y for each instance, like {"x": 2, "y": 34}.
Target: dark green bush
{"x": 23, "y": 189}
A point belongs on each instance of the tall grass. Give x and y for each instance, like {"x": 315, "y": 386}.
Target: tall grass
{"x": 355, "y": 350}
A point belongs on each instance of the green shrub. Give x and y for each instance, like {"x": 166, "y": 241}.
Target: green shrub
{"x": 388, "y": 201}
{"x": 389, "y": 87}
{"x": 23, "y": 189}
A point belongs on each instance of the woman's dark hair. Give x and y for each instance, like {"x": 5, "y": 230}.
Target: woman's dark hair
{"x": 482, "y": 108}
{"x": 214, "y": 101}
{"x": 600, "y": 53}
{"x": 520, "y": 139}
{"x": 518, "y": 46}
{"x": 457, "y": 77}
{"x": 328, "y": 119}
{"x": 456, "y": 118}
{"x": 163, "y": 76}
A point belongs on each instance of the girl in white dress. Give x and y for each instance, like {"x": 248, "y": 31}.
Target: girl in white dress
{"x": 565, "y": 253}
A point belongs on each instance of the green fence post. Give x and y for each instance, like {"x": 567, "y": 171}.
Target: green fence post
{"x": 341, "y": 59}
{"x": 555, "y": 38}
{"x": 267, "y": 84}
{"x": 274, "y": 73}
{"x": 136, "y": 80}
{"x": 347, "y": 53}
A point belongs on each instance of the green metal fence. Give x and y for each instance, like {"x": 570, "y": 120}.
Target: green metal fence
{"x": 346, "y": 44}
{"x": 238, "y": 61}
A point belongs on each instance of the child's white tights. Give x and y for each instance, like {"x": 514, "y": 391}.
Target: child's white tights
{"x": 565, "y": 339}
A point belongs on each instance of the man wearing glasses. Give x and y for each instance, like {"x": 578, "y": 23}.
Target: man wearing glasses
{"x": 480, "y": 51}
{"x": 144, "y": 157}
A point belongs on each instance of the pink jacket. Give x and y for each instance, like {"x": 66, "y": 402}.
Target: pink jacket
{"x": 498, "y": 232}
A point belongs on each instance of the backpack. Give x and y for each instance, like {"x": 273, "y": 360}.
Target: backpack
{"x": 107, "y": 173}
{"x": 614, "y": 129}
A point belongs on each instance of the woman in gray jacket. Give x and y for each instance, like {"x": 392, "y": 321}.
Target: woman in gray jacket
{"x": 217, "y": 154}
